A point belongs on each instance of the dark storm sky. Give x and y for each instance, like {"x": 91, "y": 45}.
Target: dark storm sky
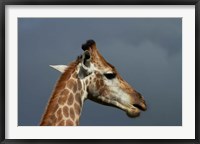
{"x": 147, "y": 52}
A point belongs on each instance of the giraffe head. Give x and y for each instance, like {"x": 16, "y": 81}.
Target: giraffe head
{"x": 105, "y": 85}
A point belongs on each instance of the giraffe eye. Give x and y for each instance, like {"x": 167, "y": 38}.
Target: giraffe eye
{"x": 110, "y": 75}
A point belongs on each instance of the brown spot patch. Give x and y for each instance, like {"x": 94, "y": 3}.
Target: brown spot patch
{"x": 52, "y": 108}
{"x": 97, "y": 84}
{"x": 63, "y": 98}
{"x": 70, "y": 99}
{"x": 77, "y": 109}
{"x": 98, "y": 76}
{"x": 53, "y": 118}
{"x": 71, "y": 83}
{"x": 102, "y": 90}
{"x": 62, "y": 123}
{"x": 69, "y": 122}
{"x": 78, "y": 98}
{"x": 66, "y": 111}
{"x": 101, "y": 82}
{"x": 75, "y": 88}
{"x": 65, "y": 92}
{"x": 72, "y": 114}
{"x": 59, "y": 115}
{"x": 79, "y": 85}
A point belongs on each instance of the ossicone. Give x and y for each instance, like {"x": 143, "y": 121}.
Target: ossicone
{"x": 88, "y": 44}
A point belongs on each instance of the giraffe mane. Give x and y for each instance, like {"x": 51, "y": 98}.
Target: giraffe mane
{"x": 71, "y": 67}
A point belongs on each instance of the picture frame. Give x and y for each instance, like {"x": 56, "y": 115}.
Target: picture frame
{"x": 3, "y": 74}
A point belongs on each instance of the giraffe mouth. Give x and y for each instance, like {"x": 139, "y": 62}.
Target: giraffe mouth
{"x": 132, "y": 110}
{"x": 140, "y": 107}
{"x": 135, "y": 110}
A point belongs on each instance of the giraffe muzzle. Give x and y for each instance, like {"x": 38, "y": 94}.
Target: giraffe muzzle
{"x": 135, "y": 110}
{"x": 142, "y": 106}
{"x": 139, "y": 102}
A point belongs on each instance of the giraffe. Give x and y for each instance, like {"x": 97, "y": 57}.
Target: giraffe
{"x": 90, "y": 76}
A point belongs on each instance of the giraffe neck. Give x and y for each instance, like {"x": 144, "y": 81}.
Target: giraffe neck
{"x": 65, "y": 105}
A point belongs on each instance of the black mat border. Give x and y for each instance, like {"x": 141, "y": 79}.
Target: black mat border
{"x": 3, "y": 3}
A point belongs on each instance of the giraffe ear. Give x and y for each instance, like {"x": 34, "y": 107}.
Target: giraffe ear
{"x": 85, "y": 65}
{"x": 60, "y": 68}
